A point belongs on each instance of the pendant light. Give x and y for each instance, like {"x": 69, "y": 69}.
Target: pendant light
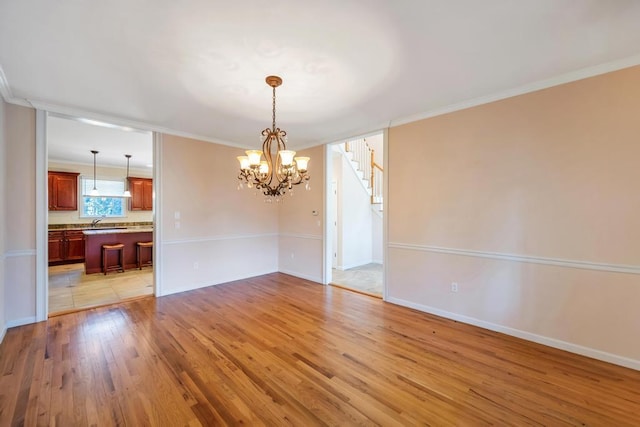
{"x": 94, "y": 191}
{"x": 127, "y": 193}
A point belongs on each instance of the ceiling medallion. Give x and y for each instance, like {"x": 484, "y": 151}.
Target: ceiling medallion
{"x": 280, "y": 170}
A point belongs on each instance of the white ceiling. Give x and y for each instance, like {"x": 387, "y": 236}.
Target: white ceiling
{"x": 197, "y": 67}
{"x": 72, "y": 141}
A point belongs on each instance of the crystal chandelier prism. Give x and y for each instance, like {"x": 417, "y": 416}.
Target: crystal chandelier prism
{"x": 280, "y": 170}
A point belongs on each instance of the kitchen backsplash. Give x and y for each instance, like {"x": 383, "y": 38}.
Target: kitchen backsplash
{"x": 100, "y": 225}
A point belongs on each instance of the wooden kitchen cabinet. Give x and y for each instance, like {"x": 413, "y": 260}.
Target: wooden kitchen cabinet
{"x": 56, "y": 246}
{"x": 75, "y": 245}
{"x": 66, "y": 246}
{"x": 63, "y": 191}
{"x": 141, "y": 194}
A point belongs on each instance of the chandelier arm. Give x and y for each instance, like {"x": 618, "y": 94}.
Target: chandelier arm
{"x": 266, "y": 150}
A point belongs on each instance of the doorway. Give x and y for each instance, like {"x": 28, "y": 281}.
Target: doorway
{"x": 355, "y": 203}
{"x": 83, "y": 156}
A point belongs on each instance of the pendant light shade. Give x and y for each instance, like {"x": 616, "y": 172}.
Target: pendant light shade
{"x": 94, "y": 191}
{"x": 127, "y": 193}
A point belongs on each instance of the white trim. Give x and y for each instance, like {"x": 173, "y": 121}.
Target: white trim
{"x": 20, "y": 322}
{"x": 157, "y": 214}
{"x": 302, "y": 276}
{"x": 20, "y": 253}
{"x": 218, "y": 238}
{"x": 327, "y": 210}
{"x": 540, "y": 339}
{"x": 356, "y": 264}
{"x": 5, "y": 90}
{"x": 531, "y": 87}
{"x": 3, "y": 332}
{"x": 42, "y": 212}
{"x": 207, "y": 283}
{"x": 385, "y": 217}
{"x": 301, "y": 236}
{"x": 76, "y": 112}
{"x": 521, "y": 90}
{"x": 584, "y": 265}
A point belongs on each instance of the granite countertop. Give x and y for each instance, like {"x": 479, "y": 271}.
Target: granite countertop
{"x": 105, "y": 230}
{"x": 101, "y": 227}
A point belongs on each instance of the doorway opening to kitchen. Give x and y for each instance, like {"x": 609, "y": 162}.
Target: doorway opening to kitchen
{"x": 100, "y": 213}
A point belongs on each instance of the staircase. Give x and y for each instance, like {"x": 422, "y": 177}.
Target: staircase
{"x": 362, "y": 158}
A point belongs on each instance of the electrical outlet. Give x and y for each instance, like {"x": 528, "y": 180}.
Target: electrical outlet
{"x": 292, "y": 255}
{"x": 454, "y": 287}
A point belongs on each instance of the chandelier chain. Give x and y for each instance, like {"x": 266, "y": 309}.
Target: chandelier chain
{"x": 273, "y": 123}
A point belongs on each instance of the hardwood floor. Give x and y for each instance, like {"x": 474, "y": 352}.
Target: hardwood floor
{"x": 277, "y": 350}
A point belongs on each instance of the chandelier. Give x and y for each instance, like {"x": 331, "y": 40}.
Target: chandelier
{"x": 280, "y": 170}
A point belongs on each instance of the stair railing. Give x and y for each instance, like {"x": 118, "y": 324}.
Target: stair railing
{"x": 372, "y": 171}
{"x": 377, "y": 178}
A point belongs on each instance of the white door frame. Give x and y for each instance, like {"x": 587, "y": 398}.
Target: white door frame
{"x": 329, "y": 209}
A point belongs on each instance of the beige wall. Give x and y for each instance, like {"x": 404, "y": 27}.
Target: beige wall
{"x": 3, "y": 202}
{"x": 531, "y": 205}
{"x": 19, "y": 215}
{"x": 73, "y": 217}
{"x": 224, "y": 234}
{"x": 301, "y": 232}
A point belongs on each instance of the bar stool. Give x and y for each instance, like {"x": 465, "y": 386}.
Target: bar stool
{"x": 139, "y": 246}
{"x": 118, "y": 247}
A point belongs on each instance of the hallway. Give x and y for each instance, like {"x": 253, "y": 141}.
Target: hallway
{"x": 365, "y": 278}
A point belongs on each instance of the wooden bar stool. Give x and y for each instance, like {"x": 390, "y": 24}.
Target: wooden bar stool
{"x": 139, "y": 246}
{"x": 119, "y": 247}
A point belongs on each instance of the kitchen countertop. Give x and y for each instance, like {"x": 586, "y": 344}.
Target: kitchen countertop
{"x": 135, "y": 229}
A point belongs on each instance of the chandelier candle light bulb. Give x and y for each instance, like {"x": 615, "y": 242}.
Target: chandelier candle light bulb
{"x": 280, "y": 170}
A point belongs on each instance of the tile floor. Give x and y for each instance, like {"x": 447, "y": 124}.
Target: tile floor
{"x": 365, "y": 278}
{"x": 71, "y": 289}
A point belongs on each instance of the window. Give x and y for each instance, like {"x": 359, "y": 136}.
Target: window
{"x": 109, "y": 203}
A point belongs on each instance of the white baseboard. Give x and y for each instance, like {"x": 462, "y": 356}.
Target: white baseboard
{"x": 3, "y": 332}
{"x": 302, "y": 275}
{"x": 204, "y": 284}
{"x": 355, "y": 264}
{"x": 551, "y": 342}
{"x": 20, "y": 322}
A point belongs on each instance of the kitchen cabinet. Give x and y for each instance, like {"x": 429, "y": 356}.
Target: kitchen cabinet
{"x": 141, "y": 194}
{"x": 66, "y": 246}
{"x": 63, "y": 191}
{"x": 56, "y": 246}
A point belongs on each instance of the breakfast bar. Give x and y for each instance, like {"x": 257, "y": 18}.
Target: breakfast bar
{"x": 129, "y": 237}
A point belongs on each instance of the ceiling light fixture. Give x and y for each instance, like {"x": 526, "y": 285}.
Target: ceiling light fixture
{"x": 127, "y": 193}
{"x": 280, "y": 171}
{"x": 94, "y": 191}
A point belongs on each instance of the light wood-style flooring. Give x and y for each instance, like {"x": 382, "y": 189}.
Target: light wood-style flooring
{"x": 70, "y": 289}
{"x": 277, "y": 350}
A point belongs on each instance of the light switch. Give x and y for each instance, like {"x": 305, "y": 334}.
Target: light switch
{"x": 176, "y": 215}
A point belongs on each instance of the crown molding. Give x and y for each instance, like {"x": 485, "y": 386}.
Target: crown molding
{"x": 583, "y": 73}
{"x": 7, "y": 94}
{"x": 521, "y": 90}
{"x": 134, "y": 124}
